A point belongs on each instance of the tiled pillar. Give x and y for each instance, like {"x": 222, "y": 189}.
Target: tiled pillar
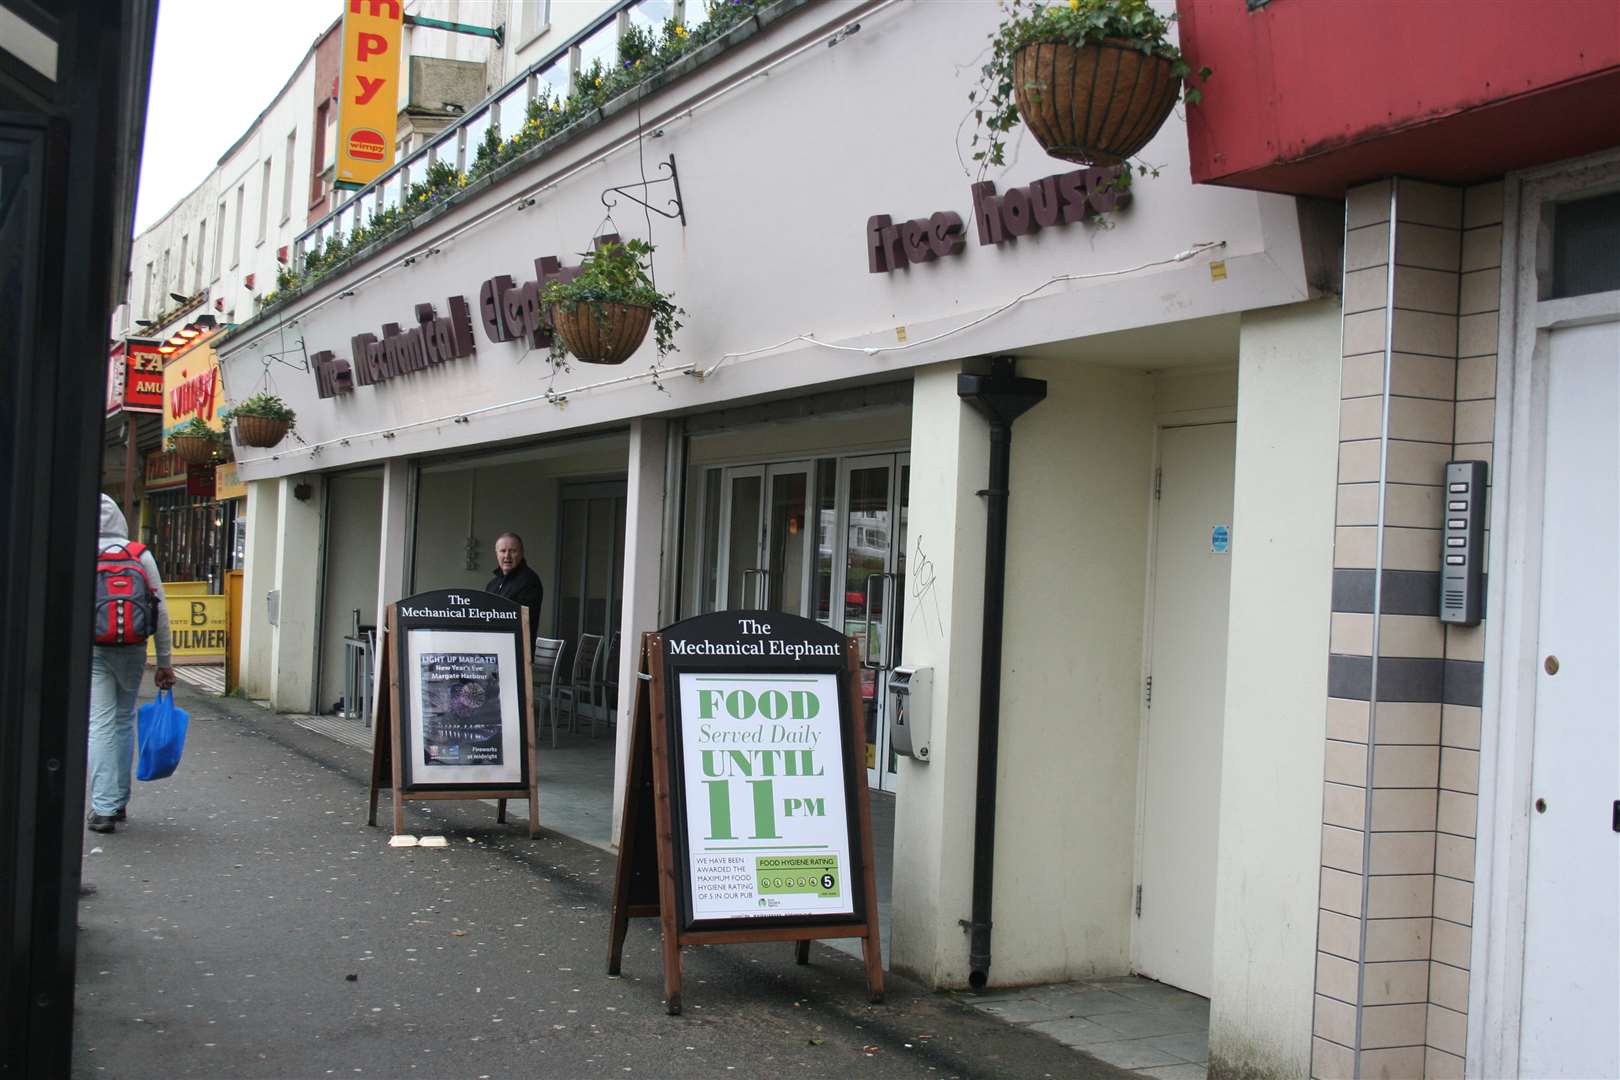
{"x": 1473, "y": 438}
{"x": 1401, "y": 758}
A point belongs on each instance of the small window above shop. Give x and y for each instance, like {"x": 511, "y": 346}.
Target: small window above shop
{"x": 1586, "y": 246}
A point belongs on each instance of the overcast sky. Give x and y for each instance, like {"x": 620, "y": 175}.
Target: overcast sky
{"x": 217, "y": 64}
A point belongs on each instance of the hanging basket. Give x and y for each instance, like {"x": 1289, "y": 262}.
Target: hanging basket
{"x": 261, "y": 430}
{"x": 194, "y": 449}
{"x": 601, "y": 333}
{"x": 1097, "y": 104}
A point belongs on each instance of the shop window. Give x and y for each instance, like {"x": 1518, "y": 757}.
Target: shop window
{"x": 1586, "y": 238}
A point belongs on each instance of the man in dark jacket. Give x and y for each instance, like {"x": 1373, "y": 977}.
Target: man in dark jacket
{"x": 515, "y": 580}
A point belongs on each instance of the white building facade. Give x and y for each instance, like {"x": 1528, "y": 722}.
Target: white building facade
{"x": 1174, "y": 499}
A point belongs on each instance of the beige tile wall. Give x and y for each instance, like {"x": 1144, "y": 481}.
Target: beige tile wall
{"x": 1401, "y": 776}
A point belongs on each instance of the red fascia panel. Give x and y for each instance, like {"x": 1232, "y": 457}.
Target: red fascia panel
{"x": 1315, "y": 96}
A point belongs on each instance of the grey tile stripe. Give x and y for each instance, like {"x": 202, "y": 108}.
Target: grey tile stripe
{"x": 1416, "y": 679}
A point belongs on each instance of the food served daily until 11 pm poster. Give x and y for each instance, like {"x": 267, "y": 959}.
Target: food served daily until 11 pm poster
{"x": 766, "y": 823}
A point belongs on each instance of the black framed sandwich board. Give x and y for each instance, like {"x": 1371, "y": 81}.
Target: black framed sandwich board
{"x": 455, "y": 719}
{"x": 746, "y": 814}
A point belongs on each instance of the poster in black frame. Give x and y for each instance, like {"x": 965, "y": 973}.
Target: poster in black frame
{"x": 651, "y": 881}
{"x": 465, "y": 653}
{"x": 459, "y": 655}
{"x": 737, "y": 646}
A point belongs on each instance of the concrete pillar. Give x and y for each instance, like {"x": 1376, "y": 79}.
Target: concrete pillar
{"x": 1276, "y": 683}
{"x": 258, "y": 579}
{"x": 643, "y": 562}
{"x": 298, "y": 583}
{"x": 944, "y": 608}
{"x": 393, "y": 549}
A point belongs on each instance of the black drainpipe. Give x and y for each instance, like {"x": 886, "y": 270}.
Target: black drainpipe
{"x": 1002, "y": 397}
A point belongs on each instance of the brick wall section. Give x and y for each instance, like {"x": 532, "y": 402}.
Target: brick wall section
{"x": 1402, "y": 745}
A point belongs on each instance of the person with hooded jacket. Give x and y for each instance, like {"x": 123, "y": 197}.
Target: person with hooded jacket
{"x": 115, "y": 680}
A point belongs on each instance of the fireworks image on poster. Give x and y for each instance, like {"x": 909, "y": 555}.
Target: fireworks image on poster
{"x": 461, "y": 709}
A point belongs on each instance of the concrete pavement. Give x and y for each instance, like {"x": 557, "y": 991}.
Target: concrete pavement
{"x": 247, "y": 923}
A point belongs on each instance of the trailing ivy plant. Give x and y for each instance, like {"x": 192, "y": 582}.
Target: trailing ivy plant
{"x": 616, "y": 274}
{"x": 197, "y": 428}
{"x": 263, "y": 404}
{"x": 1076, "y": 23}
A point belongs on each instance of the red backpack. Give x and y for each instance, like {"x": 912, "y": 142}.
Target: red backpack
{"x": 126, "y": 606}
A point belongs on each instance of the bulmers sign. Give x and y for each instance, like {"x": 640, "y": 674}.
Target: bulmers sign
{"x": 368, "y": 89}
{"x": 1060, "y": 199}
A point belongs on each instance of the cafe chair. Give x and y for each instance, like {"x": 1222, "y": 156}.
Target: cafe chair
{"x": 610, "y": 682}
{"x": 548, "y": 654}
{"x": 580, "y": 686}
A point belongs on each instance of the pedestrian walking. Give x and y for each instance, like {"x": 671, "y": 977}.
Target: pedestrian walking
{"x": 129, "y": 610}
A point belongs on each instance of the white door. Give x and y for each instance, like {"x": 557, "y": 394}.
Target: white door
{"x": 1185, "y": 705}
{"x": 1570, "y": 1012}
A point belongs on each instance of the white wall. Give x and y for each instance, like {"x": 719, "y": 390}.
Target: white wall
{"x": 787, "y": 257}
{"x": 1276, "y": 691}
{"x": 349, "y": 581}
{"x": 934, "y": 802}
{"x": 258, "y": 579}
{"x": 1082, "y": 479}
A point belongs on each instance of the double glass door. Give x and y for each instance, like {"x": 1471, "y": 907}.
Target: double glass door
{"x": 824, "y": 539}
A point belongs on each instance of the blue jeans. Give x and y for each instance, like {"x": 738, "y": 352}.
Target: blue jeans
{"x": 115, "y": 679}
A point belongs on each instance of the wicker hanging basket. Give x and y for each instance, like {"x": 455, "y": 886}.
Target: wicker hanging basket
{"x": 260, "y": 430}
{"x": 1097, "y": 104}
{"x": 601, "y": 333}
{"x": 194, "y": 449}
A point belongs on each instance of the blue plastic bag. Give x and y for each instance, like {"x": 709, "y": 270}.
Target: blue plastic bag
{"x": 162, "y": 738}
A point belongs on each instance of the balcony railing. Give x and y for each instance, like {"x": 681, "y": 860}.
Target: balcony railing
{"x": 506, "y": 109}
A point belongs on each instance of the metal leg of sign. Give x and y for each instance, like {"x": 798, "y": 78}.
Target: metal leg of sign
{"x": 801, "y": 952}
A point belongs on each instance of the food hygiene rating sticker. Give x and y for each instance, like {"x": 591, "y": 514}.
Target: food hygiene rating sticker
{"x": 779, "y": 875}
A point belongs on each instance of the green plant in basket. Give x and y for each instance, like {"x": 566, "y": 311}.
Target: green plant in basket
{"x": 1067, "y": 70}
{"x": 596, "y": 315}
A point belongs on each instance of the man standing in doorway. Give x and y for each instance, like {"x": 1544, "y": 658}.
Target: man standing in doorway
{"x": 515, "y": 580}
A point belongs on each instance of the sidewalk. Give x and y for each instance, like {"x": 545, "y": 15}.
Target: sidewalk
{"x": 247, "y": 923}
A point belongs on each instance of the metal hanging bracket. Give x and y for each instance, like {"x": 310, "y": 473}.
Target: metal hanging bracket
{"x": 674, "y": 177}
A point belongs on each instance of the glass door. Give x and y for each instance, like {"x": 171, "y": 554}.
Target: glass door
{"x": 873, "y": 492}
{"x": 590, "y": 567}
{"x": 764, "y": 537}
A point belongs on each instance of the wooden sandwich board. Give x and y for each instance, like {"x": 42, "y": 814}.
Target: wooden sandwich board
{"x": 454, "y": 718}
{"x": 746, "y": 815}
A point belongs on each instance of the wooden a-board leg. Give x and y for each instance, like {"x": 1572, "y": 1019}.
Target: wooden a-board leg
{"x": 872, "y": 953}
{"x": 371, "y": 812}
{"x": 534, "y": 815}
{"x": 500, "y": 811}
{"x": 399, "y": 813}
{"x": 801, "y": 952}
